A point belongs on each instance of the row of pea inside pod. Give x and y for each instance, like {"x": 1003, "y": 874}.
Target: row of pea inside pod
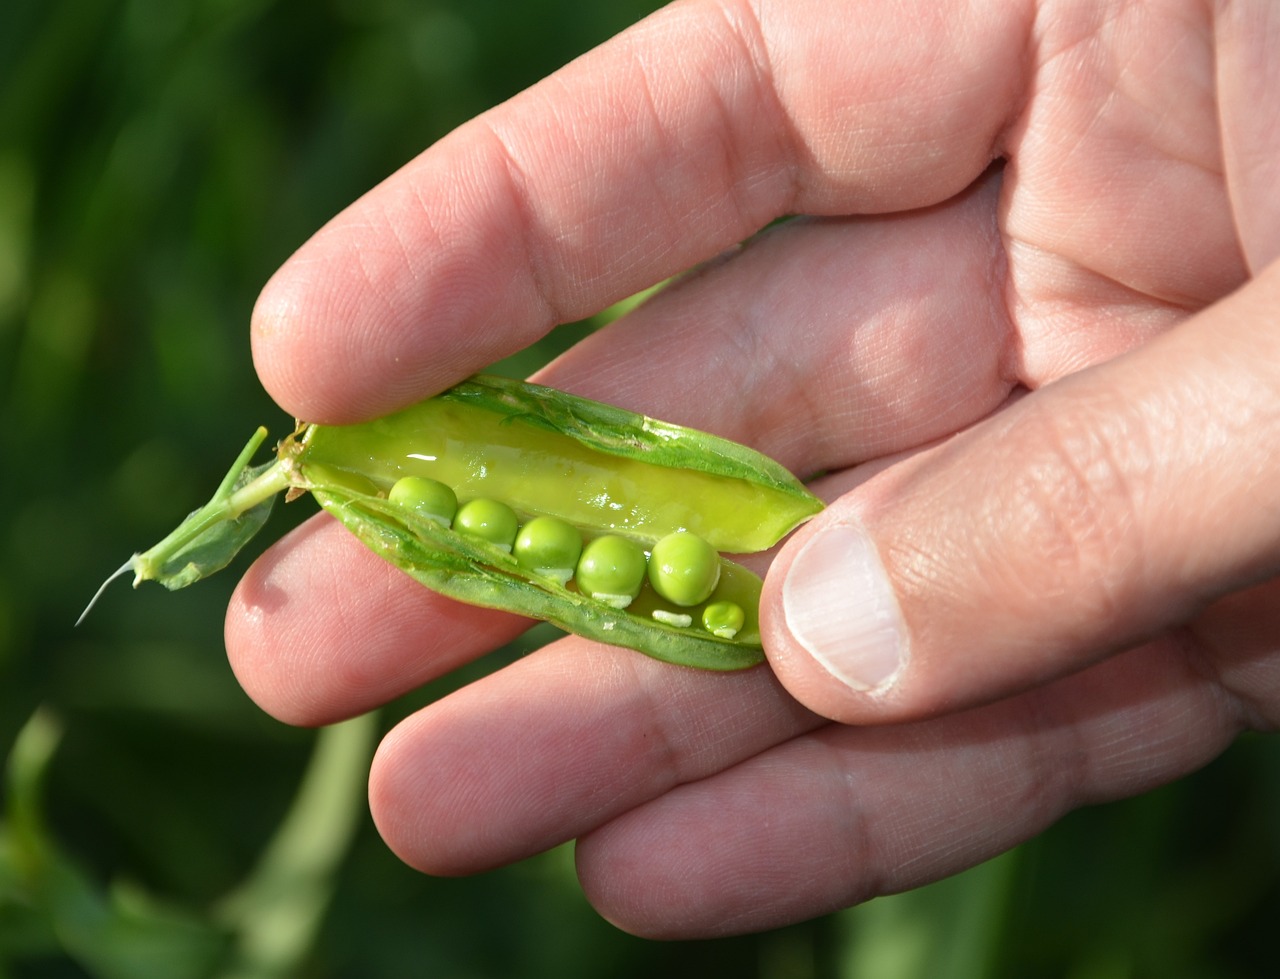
{"x": 681, "y": 567}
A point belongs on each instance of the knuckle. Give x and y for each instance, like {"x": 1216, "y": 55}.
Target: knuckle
{"x": 1078, "y": 506}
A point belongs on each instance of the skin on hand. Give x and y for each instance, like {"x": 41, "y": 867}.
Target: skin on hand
{"x": 1030, "y": 331}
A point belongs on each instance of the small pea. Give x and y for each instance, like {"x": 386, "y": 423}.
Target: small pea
{"x": 428, "y": 498}
{"x": 548, "y": 546}
{"x": 318, "y": 474}
{"x": 723, "y": 619}
{"x": 488, "y": 519}
{"x": 684, "y": 569}
{"x": 611, "y": 570}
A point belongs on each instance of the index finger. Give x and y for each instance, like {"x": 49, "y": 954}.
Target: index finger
{"x": 673, "y": 141}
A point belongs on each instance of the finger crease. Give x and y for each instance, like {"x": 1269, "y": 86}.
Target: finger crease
{"x": 529, "y": 225}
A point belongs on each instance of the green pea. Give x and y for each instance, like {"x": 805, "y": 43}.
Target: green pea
{"x": 488, "y": 519}
{"x": 684, "y": 569}
{"x": 611, "y": 570}
{"x": 548, "y": 546}
{"x": 318, "y": 474}
{"x": 723, "y": 619}
{"x": 428, "y": 498}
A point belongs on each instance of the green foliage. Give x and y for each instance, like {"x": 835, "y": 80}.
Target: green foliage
{"x": 158, "y": 160}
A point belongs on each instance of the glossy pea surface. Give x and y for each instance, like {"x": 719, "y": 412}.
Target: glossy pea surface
{"x": 548, "y": 546}
{"x": 428, "y": 498}
{"x": 611, "y": 570}
{"x": 723, "y": 619}
{"x": 684, "y": 568}
{"x": 489, "y": 520}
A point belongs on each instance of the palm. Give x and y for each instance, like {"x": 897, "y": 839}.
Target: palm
{"x": 851, "y": 344}
{"x": 1118, "y": 168}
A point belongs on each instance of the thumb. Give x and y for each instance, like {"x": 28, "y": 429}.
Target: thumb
{"x": 1094, "y": 513}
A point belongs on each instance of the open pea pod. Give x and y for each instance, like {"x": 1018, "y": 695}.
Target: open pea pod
{"x": 605, "y": 472}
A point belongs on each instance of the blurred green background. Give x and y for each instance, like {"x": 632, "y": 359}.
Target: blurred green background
{"x": 158, "y": 160}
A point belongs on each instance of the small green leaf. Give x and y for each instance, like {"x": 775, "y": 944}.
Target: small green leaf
{"x": 211, "y": 548}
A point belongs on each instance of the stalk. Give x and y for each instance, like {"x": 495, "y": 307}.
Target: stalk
{"x": 228, "y": 502}
{"x": 210, "y": 537}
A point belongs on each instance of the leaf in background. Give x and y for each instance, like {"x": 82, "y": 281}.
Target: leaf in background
{"x": 48, "y": 904}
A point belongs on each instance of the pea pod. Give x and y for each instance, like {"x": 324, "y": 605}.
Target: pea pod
{"x": 504, "y": 445}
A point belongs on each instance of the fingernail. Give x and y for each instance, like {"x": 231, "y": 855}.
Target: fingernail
{"x": 840, "y": 607}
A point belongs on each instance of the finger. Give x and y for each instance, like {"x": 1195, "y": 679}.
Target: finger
{"x": 1240, "y": 635}
{"x": 1248, "y": 77}
{"x": 558, "y": 743}
{"x": 840, "y": 340}
{"x": 660, "y": 149}
{"x": 907, "y": 311}
{"x": 844, "y": 814}
{"x": 320, "y": 628}
{"x": 1093, "y": 513}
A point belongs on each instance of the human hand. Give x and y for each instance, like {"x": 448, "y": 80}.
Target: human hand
{"x": 1072, "y": 599}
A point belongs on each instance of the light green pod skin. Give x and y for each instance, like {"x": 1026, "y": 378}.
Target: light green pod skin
{"x": 602, "y": 469}
{"x": 540, "y": 452}
{"x": 550, "y": 547}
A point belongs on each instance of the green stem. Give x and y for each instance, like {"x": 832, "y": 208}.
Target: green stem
{"x": 268, "y": 484}
{"x": 227, "y": 503}
{"x": 277, "y": 912}
{"x": 209, "y": 537}
{"x": 242, "y": 461}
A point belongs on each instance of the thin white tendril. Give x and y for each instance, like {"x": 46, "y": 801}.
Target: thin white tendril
{"x": 124, "y": 569}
